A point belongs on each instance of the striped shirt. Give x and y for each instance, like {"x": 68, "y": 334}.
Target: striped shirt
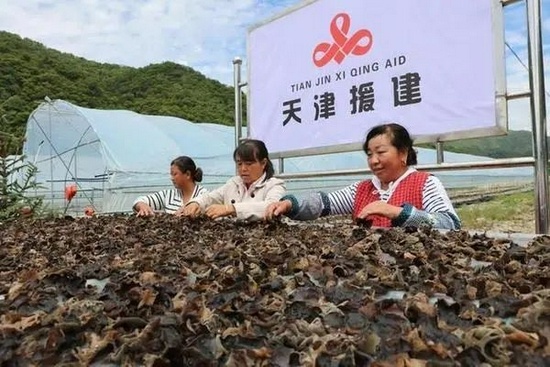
{"x": 168, "y": 201}
{"x": 434, "y": 196}
{"x": 437, "y": 209}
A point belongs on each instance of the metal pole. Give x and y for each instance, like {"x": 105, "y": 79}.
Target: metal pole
{"x": 538, "y": 115}
{"x": 518, "y": 95}
{"x": 237, "y": 62}
{"x": 242, "y": 85}
{"x": 439, "y": 151}
{"x": 49, "y": 137}
{"x": 509, "y": 2}
{"x": 281, "y": 165}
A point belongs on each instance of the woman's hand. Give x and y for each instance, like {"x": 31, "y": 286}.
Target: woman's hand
{"x": 277, "y": 209}
{"x": 190, "y": 210}
{"x": 180, "y": 211}
{"x": 219, "y": 210}
{"x": 380, "y": 208}
{"x": 144, "y": 210}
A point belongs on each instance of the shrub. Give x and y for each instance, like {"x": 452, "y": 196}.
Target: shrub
{"x": 17, "y": 179}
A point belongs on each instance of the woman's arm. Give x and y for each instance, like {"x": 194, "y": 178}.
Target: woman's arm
{"x": 320, "y": 204}
{"x": 255, "y": 210}
{"x": 438, "y": 211}
{"x": 206, "y": 198}
{"x": 155, "y": 201}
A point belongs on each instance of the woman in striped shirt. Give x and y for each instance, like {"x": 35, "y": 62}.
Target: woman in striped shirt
{"x": 185, "y": 175}
{"x": 397, "y": 195}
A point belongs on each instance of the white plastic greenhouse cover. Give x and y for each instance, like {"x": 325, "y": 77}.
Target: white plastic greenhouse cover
{"x": 114, "y": 156}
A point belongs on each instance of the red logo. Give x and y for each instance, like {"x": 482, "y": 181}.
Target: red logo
{"x": 342, "y": 46}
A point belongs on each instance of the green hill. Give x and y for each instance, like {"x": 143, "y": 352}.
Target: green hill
{"x": 30, "y": 71}
{"x": 514, "y": 144}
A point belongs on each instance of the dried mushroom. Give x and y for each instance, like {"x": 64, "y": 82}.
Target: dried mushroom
{"x": 161, "y": 291}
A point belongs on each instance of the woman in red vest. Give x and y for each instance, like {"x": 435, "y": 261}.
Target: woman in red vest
{"x": 397, "y": 195}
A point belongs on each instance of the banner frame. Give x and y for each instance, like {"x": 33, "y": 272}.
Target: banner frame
{"x": 501, "y": 109}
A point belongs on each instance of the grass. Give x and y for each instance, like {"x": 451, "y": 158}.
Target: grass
{"x": 505, "y": 213}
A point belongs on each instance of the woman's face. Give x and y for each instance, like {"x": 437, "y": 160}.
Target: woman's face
{"x": 250, "y": 171}
{"x": 179, "y": 179}
{"x": 385, "y": 161}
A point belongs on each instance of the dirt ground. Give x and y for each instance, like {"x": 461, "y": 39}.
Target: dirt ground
{"x": 508, "y": 212}
{"x": 516, "y": 225}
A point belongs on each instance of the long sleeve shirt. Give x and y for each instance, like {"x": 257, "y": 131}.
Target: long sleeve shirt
{"x": 437, "y": 209}
{"x": 250, "y": 203}
{"x": 168, "y": 201}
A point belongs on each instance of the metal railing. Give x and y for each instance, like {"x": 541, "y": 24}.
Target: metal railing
{"x": 536, "y": 93}
{"x": 497, "y": 163}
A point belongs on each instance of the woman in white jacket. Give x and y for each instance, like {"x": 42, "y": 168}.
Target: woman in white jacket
{"x": 247, "y": 195}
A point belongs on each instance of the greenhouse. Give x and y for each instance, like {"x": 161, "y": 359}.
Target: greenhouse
{"x": 113, "y": 156}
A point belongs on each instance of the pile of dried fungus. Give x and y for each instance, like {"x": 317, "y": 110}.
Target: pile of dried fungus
{"x": 169, "y": 291}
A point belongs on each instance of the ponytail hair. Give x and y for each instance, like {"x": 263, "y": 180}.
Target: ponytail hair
{"x": 197, "y": 176}
{"x": 186, "y": 164}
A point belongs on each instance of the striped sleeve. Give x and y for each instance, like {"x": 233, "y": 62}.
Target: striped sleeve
{"x": 320, "y": 204}
{"x": 341, "y": 201}
{"x": 155, "y": 201}
{"x": 438, "y": 211}
{"x": 435, "y": 198}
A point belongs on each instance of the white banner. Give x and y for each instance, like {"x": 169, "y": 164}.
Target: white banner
{"x": 325, "y": 73}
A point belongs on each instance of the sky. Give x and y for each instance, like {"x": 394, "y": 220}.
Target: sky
{"x": 205, "y": 34}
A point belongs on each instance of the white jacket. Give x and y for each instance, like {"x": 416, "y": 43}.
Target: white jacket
{"x": 249, "y": 204}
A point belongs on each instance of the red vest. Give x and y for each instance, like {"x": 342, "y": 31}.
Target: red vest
{"x": 408, "y": 191}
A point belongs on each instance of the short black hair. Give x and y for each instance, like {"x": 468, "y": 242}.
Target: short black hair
{"x": 252, "y": 150}
{"x": 399, "y": 138}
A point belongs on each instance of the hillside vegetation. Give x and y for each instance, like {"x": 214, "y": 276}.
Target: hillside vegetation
{"x": 514, "y": 144}
{"x": 30, "y": 71}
